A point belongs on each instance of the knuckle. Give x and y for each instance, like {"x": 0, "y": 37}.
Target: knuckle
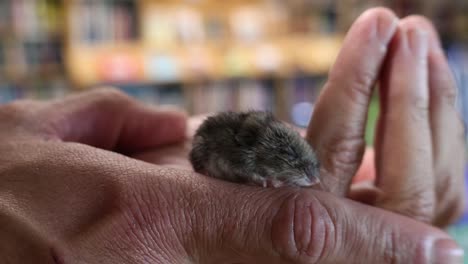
{"x": 21, "y": 113}
{"x": 343, "y": 155}
{"x": 303, "y": 231}
{"x": 18, "y": 108}
{"x": 416, "y": 204}
{"x": 362, "y": 83}
{"x": 111, "y": 97}
{"x": 413, "y": 107}
{"x": 425, "y": 214}
{"x": 419, "y": 103}
{"x": 358, "y": 90}
{"x": 457, "y": 206}
{"x": 452, "y": 208}
{"x": 447, "y": 94}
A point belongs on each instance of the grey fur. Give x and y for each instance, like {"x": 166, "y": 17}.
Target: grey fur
{"x": 253, "y": 147}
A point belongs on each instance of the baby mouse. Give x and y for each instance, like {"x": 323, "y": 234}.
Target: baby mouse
{"x": 255, "y": 148}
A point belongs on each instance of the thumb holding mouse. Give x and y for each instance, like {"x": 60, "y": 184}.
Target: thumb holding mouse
{"x": 226, "y": 223}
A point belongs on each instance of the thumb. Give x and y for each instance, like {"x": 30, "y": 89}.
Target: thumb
{"x": 303, "y": 226}
{"x": 109, "y": 119}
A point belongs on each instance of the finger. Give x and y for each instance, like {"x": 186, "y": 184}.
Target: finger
{"x": 363, "y": 188}
{"x": 174, "y": 155}
{"x": 194, "y": 123}
{"x": 337, "y": 127}
{"x": 366, "y": 171}
{"x": 404, "y": 156}
{"x": 365, "y": 192}
{"x": 107, "y": 118}
{"x": 448, "y": 142}
{"x": 447, "y": 132}
{"x": 240, "y": 224}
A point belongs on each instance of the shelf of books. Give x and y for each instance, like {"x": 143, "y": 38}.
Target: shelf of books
{"x": 31, "y": 49}
{"x": 216, "y": 56}
{"x": 204, "y": 55}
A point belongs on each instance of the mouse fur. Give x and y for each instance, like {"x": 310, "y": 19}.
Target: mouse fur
{"x": 253, "y": 147}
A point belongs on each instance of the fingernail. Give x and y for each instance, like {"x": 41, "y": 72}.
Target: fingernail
{"x": 418, "y": 43}
{"x": 446, "y": 251}
{"x": 386, "y": 27}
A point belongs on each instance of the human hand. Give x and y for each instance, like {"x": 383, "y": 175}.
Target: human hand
{"x": 419, "y": 151}
{"x": 65, "y": 199}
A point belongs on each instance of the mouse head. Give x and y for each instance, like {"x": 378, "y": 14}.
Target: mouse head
{"x": 278, "y": 152}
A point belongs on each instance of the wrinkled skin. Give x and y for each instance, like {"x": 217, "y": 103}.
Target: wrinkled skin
{"x": 67, "y": 196}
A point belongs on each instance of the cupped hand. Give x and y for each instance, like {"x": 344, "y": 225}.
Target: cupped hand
{"x": 419, "y": 150}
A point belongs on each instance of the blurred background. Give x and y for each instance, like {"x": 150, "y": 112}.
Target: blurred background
{"x": 201, "y": 55}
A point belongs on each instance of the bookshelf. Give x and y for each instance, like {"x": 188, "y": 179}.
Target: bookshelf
{"x": 31, "y": 49}
{"x": 174, "y": 41}
{"x": 234, "y": 55}
{"x": 203, "y": 55}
